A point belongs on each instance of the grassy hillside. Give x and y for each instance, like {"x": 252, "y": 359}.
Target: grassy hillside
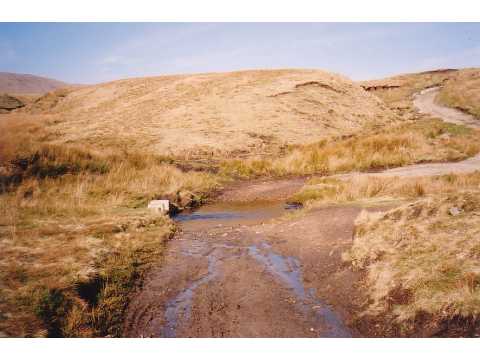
{"x": 462, "y": 92}
{"x": 224, "y": 114}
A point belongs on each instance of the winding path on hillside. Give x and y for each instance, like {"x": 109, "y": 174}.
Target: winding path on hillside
{"x": 234, "y": 270}
{"x": 426, "y": 104}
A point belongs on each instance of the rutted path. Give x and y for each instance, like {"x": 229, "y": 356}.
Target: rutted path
{"x": 233, "y": 271}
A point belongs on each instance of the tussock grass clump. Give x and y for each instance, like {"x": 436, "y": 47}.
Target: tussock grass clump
{"x": 75, "y": 236}
{"x": 426, "y": 140}
{"x": 370, "y": 188}
{"x": 48, "y": 161}
{"x": 422, "y": 260}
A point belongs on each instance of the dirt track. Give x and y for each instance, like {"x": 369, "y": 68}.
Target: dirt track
{"x": 241, "y": 276}
{"x": 425, "y": 103}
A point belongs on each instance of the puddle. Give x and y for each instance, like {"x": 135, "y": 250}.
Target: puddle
{"x": 231, "y": 214}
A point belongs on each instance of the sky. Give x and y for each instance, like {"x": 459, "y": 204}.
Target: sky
{"x": 86, "y": 53}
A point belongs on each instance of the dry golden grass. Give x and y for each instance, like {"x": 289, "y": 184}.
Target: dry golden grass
{"x": 421, "y": 258}
{"x": 246, "y": 112}
{"x": 320, "y": 190}
{"x": 74, "y": 232}
{"x": 425, "y": 140}
{"x": 462, "y": 92}
{"x": 422, "y": 261}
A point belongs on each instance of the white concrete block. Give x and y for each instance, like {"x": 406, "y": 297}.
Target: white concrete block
{"x": 161, "y": 206}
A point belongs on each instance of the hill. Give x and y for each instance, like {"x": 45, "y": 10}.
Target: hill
{"x": 241, "y": 112}
{"x": 27, "y": 84}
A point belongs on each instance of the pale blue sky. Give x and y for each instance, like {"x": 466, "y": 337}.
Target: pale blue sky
{"x": 96, "y": 52}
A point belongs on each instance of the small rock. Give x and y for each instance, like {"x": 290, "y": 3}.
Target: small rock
{"x": 312, "y": 329}
{"x": 454, "y": 211}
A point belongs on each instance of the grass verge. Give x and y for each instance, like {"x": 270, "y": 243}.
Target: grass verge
{"x": 75, "y": 236}
{"x": 420, "y": 258}
{"x": 426, "y": 140}
{"x": 421, "y": 261}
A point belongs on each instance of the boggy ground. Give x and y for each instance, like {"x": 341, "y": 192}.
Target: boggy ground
{"x": 253, "y": 277}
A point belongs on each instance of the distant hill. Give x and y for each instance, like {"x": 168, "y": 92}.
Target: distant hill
{"x": 27, "y": 84}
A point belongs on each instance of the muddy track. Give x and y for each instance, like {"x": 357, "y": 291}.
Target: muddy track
{"x": 235, "y": 271}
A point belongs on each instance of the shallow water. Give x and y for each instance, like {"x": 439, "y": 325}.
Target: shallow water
{"x": 232, "y": 214}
